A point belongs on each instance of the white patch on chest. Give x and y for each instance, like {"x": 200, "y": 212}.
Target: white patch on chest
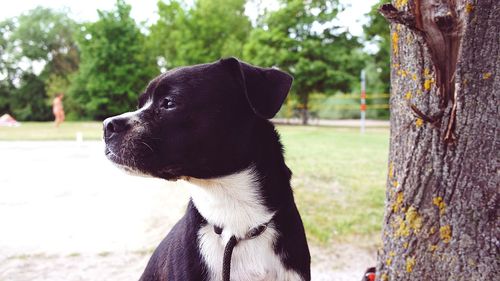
{"x": 233, "y": 202}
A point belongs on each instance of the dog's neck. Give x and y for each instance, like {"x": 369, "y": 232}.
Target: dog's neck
{"x": 253, "y": 196}
{"x": 233, "y": 202}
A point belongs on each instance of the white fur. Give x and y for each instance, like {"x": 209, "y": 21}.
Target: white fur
{"x": 132, "y": 116}
{"x": 137, "y": 127}
{"x": 233, "y": 202}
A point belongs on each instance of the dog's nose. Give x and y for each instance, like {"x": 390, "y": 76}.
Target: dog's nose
{"x": 115, "y": 124}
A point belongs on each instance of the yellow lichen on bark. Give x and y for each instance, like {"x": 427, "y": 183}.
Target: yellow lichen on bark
{"x": 398, "y": 203}
{"x": 388, "y": 261}
{"x": 445, "y": 233}
{"x": 419, "y": 122}
{"x": 410, "y": 262}
{"x": 486, "y": 75}
{"x": 401, "y": 227}
{"x": 391, "y": 170}
{"x": 400, "y": 3}
{"x": 428, "y": 84}
{"x": 469, "y": 7}
{"x": 414, "y": 219}
{"x": 408, "y": 95}
{"x": 395, "y": 44}
{"x": 427, "y": 73}
{"x": 432, "y": 248}
{"x": 432, "y": 230}
{"x": 438, "y": 201}
{"x": 395, "y": 184}
{"x": 402, "y": 73}
{"x": 384, "y": 277}
{"x": 414, "y": 77}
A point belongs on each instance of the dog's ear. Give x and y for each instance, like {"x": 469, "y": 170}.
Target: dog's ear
{"x": 265, "y": 88}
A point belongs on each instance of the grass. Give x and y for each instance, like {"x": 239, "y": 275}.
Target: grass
{"x": 47, "y": 131}
{"x": 339, "y": 175}
{"x": 339, "y": 181}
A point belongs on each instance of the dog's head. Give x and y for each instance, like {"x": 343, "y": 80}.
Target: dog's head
{"x": 196, "y": 121}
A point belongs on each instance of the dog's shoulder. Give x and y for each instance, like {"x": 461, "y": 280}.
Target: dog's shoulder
{"x": 291, "y": 245}
{"x": 178, "y": 256}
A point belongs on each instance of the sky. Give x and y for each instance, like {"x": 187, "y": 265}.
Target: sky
{"x": 145, "y": 10}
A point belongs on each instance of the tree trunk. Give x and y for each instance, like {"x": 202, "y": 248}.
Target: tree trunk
{"x": 442, "y": 208}
{"x": 304, "y": 111}
{"x": 304, "y": 116}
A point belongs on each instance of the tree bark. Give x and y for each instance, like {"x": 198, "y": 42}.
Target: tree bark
{"x": 304, "y": 111}
{"x": 442, "y": 207}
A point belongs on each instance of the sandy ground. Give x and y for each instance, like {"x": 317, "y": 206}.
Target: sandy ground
{"x": 67, "y": 214}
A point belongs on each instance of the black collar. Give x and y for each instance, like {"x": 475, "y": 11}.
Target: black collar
{"x": 233, "y": 241}
{"x": 254, "y": 232}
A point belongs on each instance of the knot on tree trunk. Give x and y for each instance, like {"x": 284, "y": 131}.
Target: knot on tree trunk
{"x": 437, "y": 23}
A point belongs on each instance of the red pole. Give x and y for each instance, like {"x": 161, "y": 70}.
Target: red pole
{"x": 363, "y": 101}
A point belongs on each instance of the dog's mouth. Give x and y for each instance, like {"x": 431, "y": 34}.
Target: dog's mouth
{"x": 113, "y": 157}
{"x": 128, "y": 165}
{"x": 122, "y": 163}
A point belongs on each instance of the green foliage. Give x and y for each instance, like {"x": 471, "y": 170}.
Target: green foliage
{"x": 47, "y": 36}
{"x": 28, "y": 101}
{"x": 115, "y": 66}
{"x": 42, "y": 38}
{"x": 102, "y": 66}
{"x": 209, "y": 30}
{"x": 377, "y": 32}
{"x": 5, "y": 91}
{"x": 300, "y": 39}
{"x": 336, "y": 106}
{"x": 6, "y": 86}
{"x": 54, "y": 85}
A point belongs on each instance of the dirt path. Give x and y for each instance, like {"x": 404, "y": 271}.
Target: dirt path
{"x": 68, "y": 214}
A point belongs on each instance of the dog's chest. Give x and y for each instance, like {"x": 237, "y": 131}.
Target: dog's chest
{"x": 252, "y": 260}
{"x": 233, "y": 203}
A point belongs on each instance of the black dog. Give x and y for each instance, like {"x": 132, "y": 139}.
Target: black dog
{"x": 207, "y": 124}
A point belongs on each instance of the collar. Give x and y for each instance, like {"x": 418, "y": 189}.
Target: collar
{"x": 233, "y": 241}
{"x": 251, "y": 234}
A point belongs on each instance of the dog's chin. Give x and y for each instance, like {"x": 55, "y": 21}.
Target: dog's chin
{"x": 167, "y": 173}
{"x": 124, "y": 165}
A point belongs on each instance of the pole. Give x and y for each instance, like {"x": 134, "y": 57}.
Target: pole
{"x": 363, "y": 101}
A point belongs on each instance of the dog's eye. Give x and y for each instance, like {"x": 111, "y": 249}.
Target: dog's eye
{"x": 168, "y": 104}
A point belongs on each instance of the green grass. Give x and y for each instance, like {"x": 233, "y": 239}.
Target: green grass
{"x": 339, "y": 175}
{"x": 47, "y": 131}
{"x": 339, "y": 181}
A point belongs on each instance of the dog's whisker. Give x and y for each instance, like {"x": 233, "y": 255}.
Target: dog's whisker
{"x": 147, "y": 145}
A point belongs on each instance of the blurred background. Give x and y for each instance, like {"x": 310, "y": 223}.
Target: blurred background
{"x": 67, "y": 214}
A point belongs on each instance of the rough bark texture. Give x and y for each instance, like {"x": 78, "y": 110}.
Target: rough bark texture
{"x": 442, "y": 211}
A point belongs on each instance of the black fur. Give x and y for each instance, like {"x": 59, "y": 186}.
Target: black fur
{"x": 215, "y": 124}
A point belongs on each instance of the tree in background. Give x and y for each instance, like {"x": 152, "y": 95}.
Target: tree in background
{"x": 6, "y": 71}
{"x": 377, "y": 32}
{"x": 205, "y": 32}
{"x": 300, "y": 39}
{"x": 441, "y": 220}
{"x": 35, "y": 46}
{"x": 116, "y": 66}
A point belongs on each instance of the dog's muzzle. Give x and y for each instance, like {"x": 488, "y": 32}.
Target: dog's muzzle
{"x": 113, "y": 126}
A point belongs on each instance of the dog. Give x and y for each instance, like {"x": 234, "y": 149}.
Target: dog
{"x": 209, "y": 125}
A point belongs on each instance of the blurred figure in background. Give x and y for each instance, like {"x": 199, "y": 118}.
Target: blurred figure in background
{"x": 58, "y": 109}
